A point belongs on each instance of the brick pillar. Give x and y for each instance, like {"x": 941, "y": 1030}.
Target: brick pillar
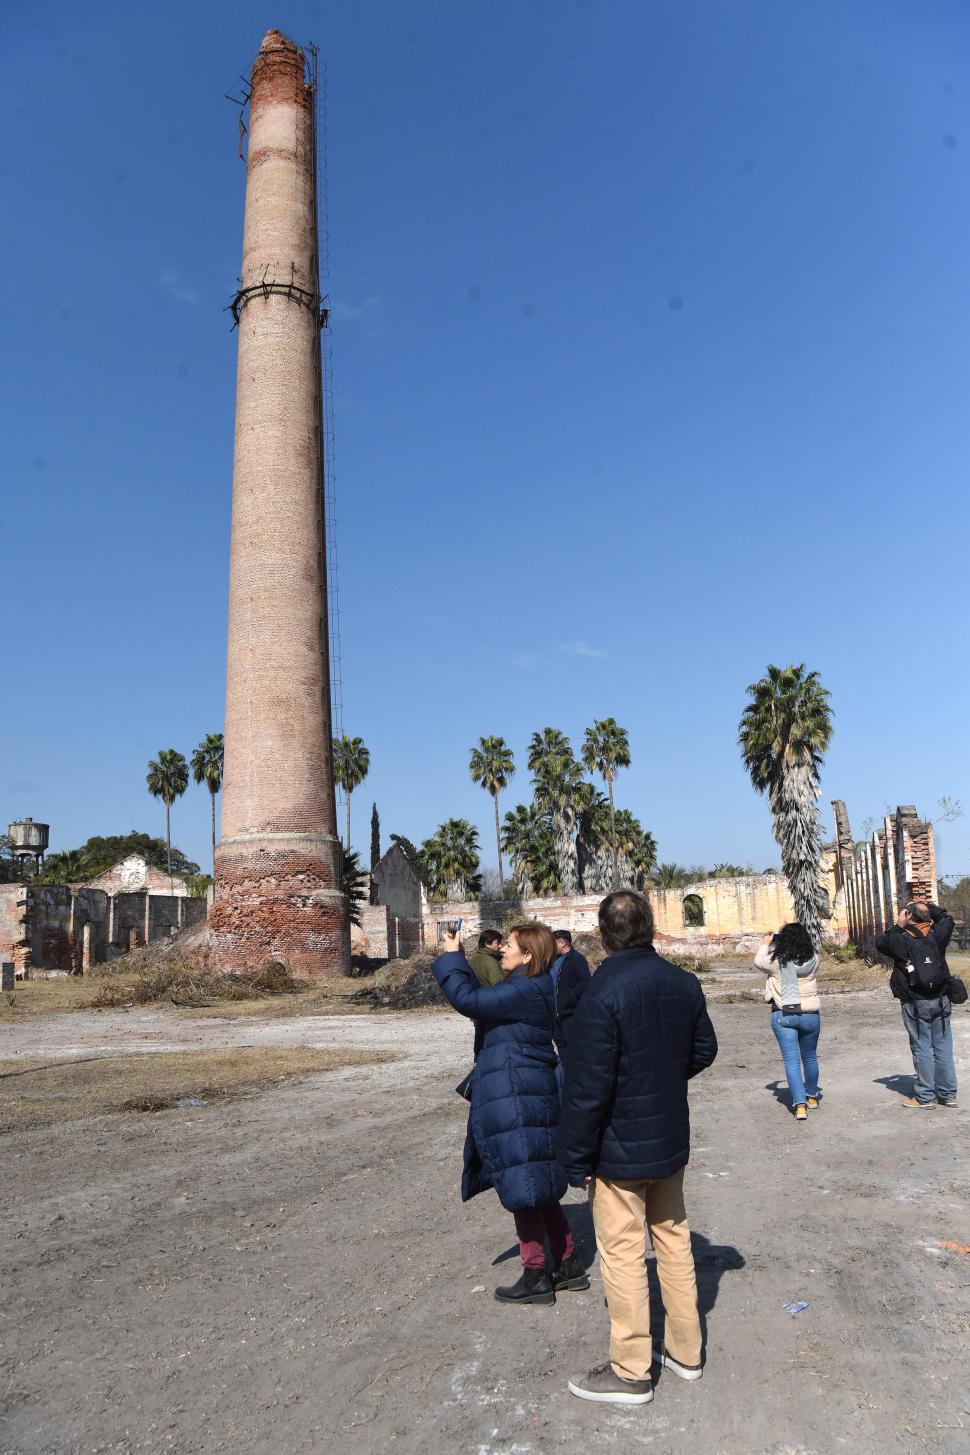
{"x": 277, "y": 863}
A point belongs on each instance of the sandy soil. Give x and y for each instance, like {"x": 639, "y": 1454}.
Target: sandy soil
{"x": 294, "y": 1272}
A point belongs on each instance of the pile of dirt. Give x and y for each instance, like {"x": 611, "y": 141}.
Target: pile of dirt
{"x": 147, "y": 978}
{"x": 403, "y": 985}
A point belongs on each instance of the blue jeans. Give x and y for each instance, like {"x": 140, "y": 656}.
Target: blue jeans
{"x": 797, "y": 1035}
{"x": 931, "y": 1042}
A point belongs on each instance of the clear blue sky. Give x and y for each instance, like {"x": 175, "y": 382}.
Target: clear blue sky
{"x": 650, "y": 339}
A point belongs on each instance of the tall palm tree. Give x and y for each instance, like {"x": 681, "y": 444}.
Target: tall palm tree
{"x": 351, "y": 763}
{"x": 206, "y": 765}
{"x": 491, "y": 764}
{"x": 606, "y": 748}
{"x": 167, "y": 779}
{"x": 783, "y": 734}
{"x": 556, "y": 782}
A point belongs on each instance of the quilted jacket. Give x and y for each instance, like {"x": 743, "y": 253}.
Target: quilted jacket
{"x": 640, "y": 1032}
{"x": 511, "y": 1139}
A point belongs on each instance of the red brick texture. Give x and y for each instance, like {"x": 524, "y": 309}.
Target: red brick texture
{"x": 279, "y": 900}
{"x": 275, "y": 897}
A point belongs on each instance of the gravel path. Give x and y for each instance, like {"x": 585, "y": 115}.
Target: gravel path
{"x": 294, "y": 1271}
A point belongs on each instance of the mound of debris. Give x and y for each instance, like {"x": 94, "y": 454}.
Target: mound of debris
{"x": 403, "y": 985}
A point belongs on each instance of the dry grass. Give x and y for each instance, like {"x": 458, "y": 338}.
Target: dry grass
{"x": 185, "y": 982}
{"x": 42, "y": 1093}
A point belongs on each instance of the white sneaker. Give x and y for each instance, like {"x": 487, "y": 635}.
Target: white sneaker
{"x": 683, "y": 1371}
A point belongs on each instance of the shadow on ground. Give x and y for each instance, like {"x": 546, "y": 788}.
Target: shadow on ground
{"x": 901, "y": 1085}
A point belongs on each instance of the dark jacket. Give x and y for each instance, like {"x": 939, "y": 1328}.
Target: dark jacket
{"x": 511, "y": 1140}
{"x": 641, "y": 1031}
{"x": 897, "y": 943}
{"x": 572, "y": 979}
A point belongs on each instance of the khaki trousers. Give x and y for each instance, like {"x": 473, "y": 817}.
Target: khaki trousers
{"x": 623, "y": 1213}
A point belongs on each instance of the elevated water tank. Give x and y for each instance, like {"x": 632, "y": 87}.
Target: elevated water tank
{"x": 29, "y": 840}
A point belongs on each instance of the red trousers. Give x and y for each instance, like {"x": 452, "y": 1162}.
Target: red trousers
{"x": 533, "y": 1225}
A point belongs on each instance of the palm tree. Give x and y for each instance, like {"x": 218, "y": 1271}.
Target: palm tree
{"x": 528, "y": 840}
{"x": 783, "y": 733}
{"x": 167, "y": 779}
{"x": 68, "y": 867}
{"x": 606, "y": 748}
{"x": 637, "y": 850}
{"x": 352, "y": 881}
{"x": 351, "y": 762}
{"x": 491, "y": 764}
{"x": 556, "y": 782}
{"x": 206, "y": 765}
{"x": 450, "y": 859}
{"x": 670, "y": 876}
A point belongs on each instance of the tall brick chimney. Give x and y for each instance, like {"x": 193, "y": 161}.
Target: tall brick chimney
{"x": 277, "y": 889}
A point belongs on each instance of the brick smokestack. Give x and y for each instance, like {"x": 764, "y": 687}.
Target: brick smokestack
{"x": 277, "y": 889}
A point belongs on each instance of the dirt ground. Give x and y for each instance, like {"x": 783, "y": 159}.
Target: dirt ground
{"x": 295, "y": 1272}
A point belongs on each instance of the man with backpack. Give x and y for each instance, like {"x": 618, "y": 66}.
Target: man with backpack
{"x": 920, "y": 980}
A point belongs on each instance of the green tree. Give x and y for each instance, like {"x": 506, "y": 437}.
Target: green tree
{"x": 637, "y": 850}
{"x": 375, "y": 848}
{"x": 167, "y": 779}
{"x": 606, "y": 749}
{"x": 102, "y": 852}
{"x": 352, "y": 880}
{"x": 206, "y": 765}
{"x": 451, "y": 860}
{"x": 528, "y": 840}
{"x": 351, "y": 764}
{"x": 670, "y": 876}
{"x": 491, "y": 764}
{"x": 70, "y": 866}
{"x": 557, "y": 787}
{"x": 783, "y": 734}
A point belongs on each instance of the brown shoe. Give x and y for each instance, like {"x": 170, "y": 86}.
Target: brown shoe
{"x": 605, "y": 1385}
{"x": 812, "y": 1103}
{"x": 801, "y": 1112}
{"x": 911, "y": 1101}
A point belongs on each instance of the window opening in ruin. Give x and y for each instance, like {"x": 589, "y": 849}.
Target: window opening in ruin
{"x": 693, "y": 910}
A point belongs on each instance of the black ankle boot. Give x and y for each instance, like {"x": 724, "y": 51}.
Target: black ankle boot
{"x": 533, "y": 1287}
{"x": 570, "y": 1274}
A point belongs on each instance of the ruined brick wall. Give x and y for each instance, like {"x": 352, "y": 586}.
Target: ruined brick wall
{"x": 13, "y": 937}
{"x": 135, "y": 873}
{"x": 55, "y": 927}
{"x": 737, "y": 913}
{"x": 898, "y": 863}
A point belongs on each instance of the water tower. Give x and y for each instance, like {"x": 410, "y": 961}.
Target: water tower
{"x": 29, "y": 841}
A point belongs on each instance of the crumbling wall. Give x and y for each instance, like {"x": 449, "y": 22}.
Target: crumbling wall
{"x": 735, "y": 913}
{"x": 13, "y": 921}
{"x": 876, "y": 878}
{"x": 55, "y": 927}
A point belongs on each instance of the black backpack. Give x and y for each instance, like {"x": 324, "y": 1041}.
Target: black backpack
{"x": 926, "y": 973}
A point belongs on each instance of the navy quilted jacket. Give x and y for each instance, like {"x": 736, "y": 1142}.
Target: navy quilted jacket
{"x": 640, "y": 1032}
{"x": 511, "y": 1140}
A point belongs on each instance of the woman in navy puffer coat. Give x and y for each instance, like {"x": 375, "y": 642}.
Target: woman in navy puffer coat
{"x": 511, "y": 1140}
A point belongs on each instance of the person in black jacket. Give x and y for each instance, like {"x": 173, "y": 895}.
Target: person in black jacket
{"x": 640, "y": 1032}
{"x": 570, "y": 975}
{"x": 926, "y": 1013}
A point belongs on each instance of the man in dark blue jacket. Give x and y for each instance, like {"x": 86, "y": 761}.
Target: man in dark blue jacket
{"x": 570, "y": 975}
{"x": 640, "y": 1032}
